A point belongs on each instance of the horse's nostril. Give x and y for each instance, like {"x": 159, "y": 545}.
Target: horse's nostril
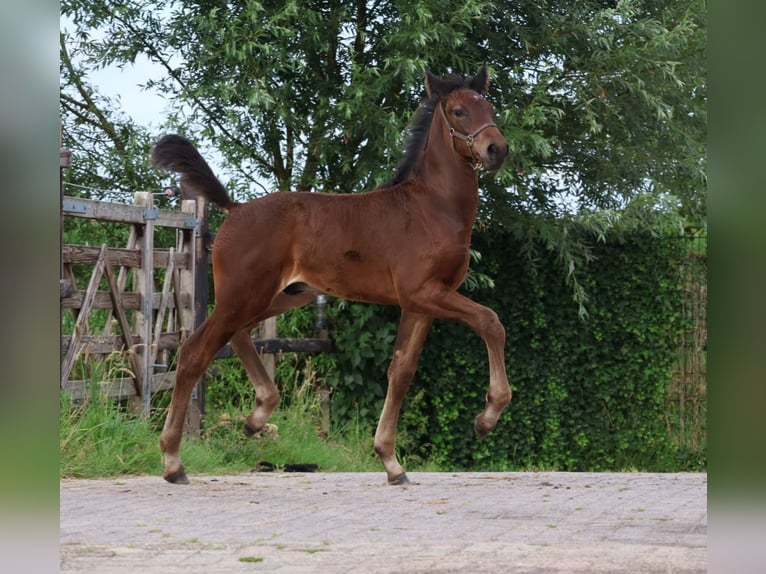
{"x": 492, "y": 150}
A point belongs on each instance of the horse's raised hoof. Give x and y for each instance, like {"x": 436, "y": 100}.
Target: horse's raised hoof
{"x": 481, "y": 430}
{"x": 178, "y": 477}
{"x": 250, "y": 431}
{"x": 268, "y": 430}
{"x": 400, "y": 480}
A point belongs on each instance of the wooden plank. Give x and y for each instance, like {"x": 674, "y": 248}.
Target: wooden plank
{"x": 127, "y": 337}
{"x": 79, "y": 327}
{"x": 124, "y": 213}
{"x": 87, "y": 255}
{"x": 124, "y": 388}
{"x": 129, "y": 301}
{"x": 288, "y": 345}
{"x": 169, "y": 340}
{"x": 117, "y": 307}
{"x": 160, "y": 319}
{"x": 145, "y": 287}
{"x": 117, "y": 389}
{"x": 177, "y": 305}
{"x": 185, "y": 285}
{"x": 125, "y": 257}
{"x": 106, "y": 344}
{"x": 199, "y": 253}
{"x": 122, "y": 281}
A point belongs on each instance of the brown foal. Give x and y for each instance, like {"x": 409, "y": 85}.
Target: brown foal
{"x": 405, "y": 243}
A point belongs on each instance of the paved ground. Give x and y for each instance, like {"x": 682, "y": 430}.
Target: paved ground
{"x": 354, "y": 523}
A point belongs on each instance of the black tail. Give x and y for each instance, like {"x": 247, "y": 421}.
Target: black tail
{"x": 176, "y": 153}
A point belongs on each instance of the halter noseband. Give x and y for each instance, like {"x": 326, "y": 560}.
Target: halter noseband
{"x": 467, "y": 138}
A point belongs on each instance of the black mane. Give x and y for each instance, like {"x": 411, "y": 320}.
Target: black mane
{"x": 418, "y": 129}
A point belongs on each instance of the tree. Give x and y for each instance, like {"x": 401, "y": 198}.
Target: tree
{"x": 111, "y": 149}
{"x": 602, "y": 101}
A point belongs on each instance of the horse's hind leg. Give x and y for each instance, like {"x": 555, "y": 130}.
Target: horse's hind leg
{"x": 412, "y": 332}
{"x": 266, "y": 392}
{"x": 194, "y": 356}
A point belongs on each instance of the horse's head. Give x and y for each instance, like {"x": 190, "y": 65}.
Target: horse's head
{"x": 469, "y": 117}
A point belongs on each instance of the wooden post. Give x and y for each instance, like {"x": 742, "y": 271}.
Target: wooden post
{"x": 122, "y": 280}
{"x": 122, "y": 319}
{"x": 193, "y": 280}
{"x": 185, "y": 288}
{"x": 160, "y": 319}
{"x": 145, "y": 287}
{"x": 65, "y": 161}
{"x": 268, "y": 330}
{"x": 320, "y": 313}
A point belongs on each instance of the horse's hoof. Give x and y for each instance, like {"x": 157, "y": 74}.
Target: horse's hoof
{"x": 178, "y": 477}
{"x": 268, "y": 430}
{"x": 400, "y": 480}
{"x": 481, "y": 430}
{"x": 481, "y": 433}
{"x": 249, "y": 430}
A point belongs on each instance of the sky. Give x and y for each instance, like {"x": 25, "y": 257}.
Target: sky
{"x": 145, "y": 107}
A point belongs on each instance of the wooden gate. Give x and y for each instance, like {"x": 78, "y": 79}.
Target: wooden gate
{"x": 167, "y": 300}
{"x": 144, "y": 324}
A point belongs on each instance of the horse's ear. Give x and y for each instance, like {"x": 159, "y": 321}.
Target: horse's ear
{"x": 435, "y": 86}
{"x": 480, "y": 81}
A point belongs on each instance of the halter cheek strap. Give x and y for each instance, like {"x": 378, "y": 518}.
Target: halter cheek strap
{"x": 467, "y": 138}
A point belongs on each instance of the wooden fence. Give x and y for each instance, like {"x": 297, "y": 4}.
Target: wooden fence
{"x": 143, "y": 325}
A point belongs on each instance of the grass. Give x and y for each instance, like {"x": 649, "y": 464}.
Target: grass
{"x": 100, "y": 438}
{"x": 250, "y": 559}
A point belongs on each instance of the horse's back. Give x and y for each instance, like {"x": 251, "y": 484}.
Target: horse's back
{"x": 317, "y": 216}
{"x": 341, "y": 244}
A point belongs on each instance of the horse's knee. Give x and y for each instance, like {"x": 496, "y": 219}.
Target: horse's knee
{"x": 490, "y": 327}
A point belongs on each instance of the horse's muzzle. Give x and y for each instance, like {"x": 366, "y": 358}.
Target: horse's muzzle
{"x": 494, "y": 156}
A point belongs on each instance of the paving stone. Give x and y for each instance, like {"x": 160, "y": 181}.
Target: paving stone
{"x": 291, "y": 523}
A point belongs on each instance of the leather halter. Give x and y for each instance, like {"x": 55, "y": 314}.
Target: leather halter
{"x": 467, "y": 138}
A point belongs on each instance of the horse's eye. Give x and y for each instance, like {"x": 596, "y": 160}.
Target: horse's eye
{"x": 458, "y": 112}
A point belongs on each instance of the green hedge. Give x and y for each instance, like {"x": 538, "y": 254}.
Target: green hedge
{"x": 589, "y": 394}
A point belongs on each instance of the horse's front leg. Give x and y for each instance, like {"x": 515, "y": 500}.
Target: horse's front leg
{"x": 438, "y": 301}
{"x": 410, "y": 336}
{"x": 491, "y": 330}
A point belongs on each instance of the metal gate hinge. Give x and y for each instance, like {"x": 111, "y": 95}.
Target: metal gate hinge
{"x": 73, "y": 206}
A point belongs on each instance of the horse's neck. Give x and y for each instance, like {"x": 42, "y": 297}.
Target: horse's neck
{"x": 449, "y": 179}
